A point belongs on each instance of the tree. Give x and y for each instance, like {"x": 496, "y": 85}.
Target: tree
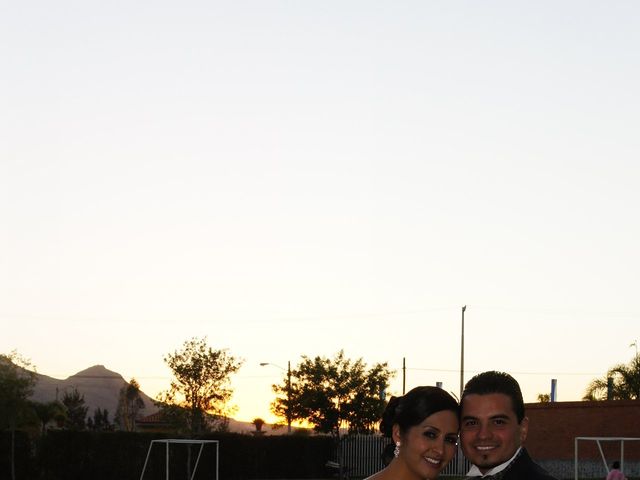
{"x": 625, "y": 383}
{"x": 76, "y": 409}
{"x": 201, "y": 387}
{"x": 258, "y": 423}
{"x": 100, "y": 420}
{"x": 544, "y": 398}
{"x": 129, "y": 405}
{"x": 16, "y": 385}
{"x": 332, "y": 393}
{"x": 48, "y": 411}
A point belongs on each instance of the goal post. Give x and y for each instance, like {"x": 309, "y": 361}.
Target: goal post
{"x": 177, "y": 441}
{"x": 599, "y": 441}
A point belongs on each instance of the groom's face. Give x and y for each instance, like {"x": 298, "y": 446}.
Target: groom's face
{"x": 489, "y": 431}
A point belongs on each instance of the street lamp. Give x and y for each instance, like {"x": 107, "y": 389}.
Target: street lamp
{"x": 460, "y": 455}
{"x": 288, "y": 370}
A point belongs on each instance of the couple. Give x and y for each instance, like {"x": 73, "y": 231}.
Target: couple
{"x": 424, "y": 426}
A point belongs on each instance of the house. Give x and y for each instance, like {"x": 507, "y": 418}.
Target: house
{"x": 153, "y": 423}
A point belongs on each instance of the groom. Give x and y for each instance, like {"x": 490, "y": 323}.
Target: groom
{"x": 493, "y": 428}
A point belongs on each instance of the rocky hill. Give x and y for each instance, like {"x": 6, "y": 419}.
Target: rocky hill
{"x": 100, "y": 387}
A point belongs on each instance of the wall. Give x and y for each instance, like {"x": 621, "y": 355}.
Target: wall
{"x": 554, "y": 426}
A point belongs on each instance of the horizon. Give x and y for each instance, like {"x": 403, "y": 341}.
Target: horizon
{"x": 293, "y": 179}
{"x": 269, "y": 417}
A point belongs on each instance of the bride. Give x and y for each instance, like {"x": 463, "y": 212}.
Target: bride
{"x": 423, "y": 425}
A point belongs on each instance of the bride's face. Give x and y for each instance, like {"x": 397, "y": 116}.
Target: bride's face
{"x": 428, "y": 447}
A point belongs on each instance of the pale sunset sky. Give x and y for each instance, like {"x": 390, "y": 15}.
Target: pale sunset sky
{"x": 294, "y": 178}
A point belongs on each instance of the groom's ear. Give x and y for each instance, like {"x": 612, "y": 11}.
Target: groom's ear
{"x": 524, "y": 429}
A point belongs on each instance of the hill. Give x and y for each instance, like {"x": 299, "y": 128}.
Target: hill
{"x": 100, "y": 387}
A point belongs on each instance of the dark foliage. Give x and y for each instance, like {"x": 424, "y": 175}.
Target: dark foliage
{"x": 24, "y": 467}
{"x": 78, "y": 455}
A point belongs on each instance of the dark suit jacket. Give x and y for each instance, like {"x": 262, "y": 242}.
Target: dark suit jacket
{"x": 523, "y": 468}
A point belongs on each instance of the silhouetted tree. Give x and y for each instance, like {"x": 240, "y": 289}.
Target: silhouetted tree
{"x": 258, "y": 423}
{"x": 201, "y": 387}
{"x": 129, "y": 405}
{"x": 626, "y": 383}
{"x": 16, "y": 385}
{"x": 76, "y": 410}
{"x": 331, "y": 393}
{"x": 48, "y": 411}
{"x": 100, "y": 421}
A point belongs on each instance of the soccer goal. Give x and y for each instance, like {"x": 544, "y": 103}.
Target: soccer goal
{"x": 599, "y": 441}
{"x": 173, "y": 441}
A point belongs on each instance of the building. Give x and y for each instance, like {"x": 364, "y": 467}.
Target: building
{"x": 554, "y": 426}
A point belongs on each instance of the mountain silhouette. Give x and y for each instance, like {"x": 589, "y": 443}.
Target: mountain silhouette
{"x": 100, "y": 387}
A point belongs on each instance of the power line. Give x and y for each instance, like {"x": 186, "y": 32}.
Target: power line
{"x": 515, "y": 373}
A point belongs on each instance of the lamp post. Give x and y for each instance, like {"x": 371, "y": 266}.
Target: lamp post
{"x": 460, "y": 455}
{"x": 462, "y": 354}
{"x": 288, "y": 370}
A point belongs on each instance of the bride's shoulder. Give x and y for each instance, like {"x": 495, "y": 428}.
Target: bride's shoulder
{"x": 381, "y": 475}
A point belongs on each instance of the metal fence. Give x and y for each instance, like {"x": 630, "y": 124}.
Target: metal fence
{"x": 361, "y": 456}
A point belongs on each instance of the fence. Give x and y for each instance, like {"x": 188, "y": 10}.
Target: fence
{"x": 361, "y": 456}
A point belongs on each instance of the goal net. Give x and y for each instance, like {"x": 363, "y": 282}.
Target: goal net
{"x": 608, "y": 450}
{"x": 178, "y": 456}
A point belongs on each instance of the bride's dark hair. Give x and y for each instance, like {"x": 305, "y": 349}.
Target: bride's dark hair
{"x": 413, "y": 407}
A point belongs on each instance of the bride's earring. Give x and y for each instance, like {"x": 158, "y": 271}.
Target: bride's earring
{"x": 396, "y": 451}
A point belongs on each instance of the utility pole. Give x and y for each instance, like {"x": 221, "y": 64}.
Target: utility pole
{"x": 264, "y": 364}
{"x": 462, "y": 355}
{"x": 460, "y": 456}
{"x": 289, "y": 396}
{"x": 404, "y": 374}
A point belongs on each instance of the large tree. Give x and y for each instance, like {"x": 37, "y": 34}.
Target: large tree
{"x": 17, "y": 379}
{"x": 201, "y": 386}
{"x": 332, "y": 393}
{"x": 129, "y": 405}
{"x": 625, "y": 383}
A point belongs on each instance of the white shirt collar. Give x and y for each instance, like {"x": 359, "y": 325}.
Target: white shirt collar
{"x": 475, "y": 471}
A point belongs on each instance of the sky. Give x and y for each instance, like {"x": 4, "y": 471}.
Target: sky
{"x": 295, "y": 178}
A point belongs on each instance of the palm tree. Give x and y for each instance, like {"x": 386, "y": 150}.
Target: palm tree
{"x": 544, "y": 398}
{"x": 258, "y": 423}
{"x": 625, "y": 383}
{"x": 47, "y": 412}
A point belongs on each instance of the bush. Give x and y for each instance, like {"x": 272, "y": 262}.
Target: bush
{"x": 23, "y": 465}
{"x": 67, "y": 455}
